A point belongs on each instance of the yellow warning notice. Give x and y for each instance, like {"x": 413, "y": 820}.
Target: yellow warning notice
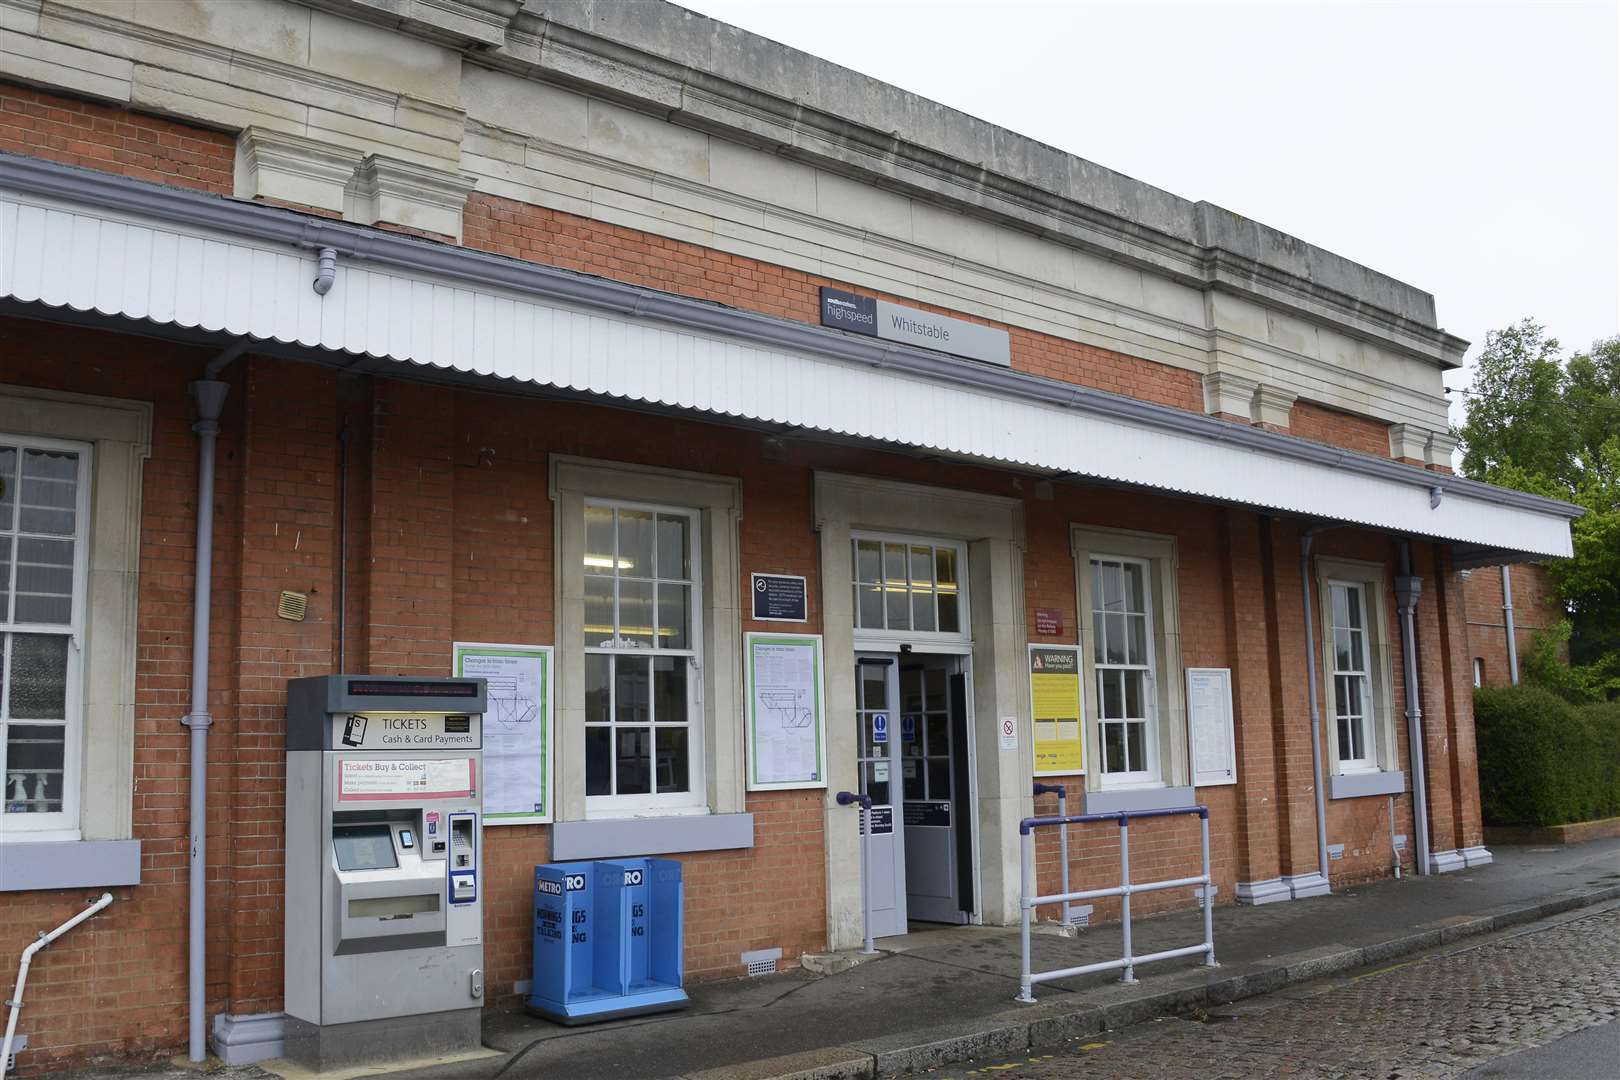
{"x": 1054, "y": 691}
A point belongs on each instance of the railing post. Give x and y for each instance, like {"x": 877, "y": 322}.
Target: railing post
{"x": 1026, "y": 890}
{"x": 846, "y": 798}
{"x": 1063, "y": 845}
{"x": 1209, "y": 894}
{"x": 1125, "y": 898}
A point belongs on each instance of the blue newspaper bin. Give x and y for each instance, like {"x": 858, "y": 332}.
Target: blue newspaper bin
{"x": 607, "y": 939}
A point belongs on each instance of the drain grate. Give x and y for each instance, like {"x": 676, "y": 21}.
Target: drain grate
{"x": 759, "y": 962}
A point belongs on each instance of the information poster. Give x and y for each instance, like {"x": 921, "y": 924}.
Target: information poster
{"x": 787, "y": 745}
{"x": 1056, "y": 709}
{"x": 1209, "y": 715}
{"x": 517, "y": 728}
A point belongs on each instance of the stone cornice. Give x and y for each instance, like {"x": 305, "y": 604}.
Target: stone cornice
{"x": 905, "y": 142}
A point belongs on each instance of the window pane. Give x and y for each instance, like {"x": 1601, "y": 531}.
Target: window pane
{"x": 874, "y": 687}
{"x": 1352, "y": 696}
{"x": 1135, "y": 593}
{"x": 39, "y": 676}
{"x": 633, "y": 761}
{"x": 894, "y": 564}
{"x": 1346, "y": 750}
{"x": 1096, "y": 585}
{"x": 869, "y": 606}
{"x": 939, "y": 778}
{"x": 934, "y": 683}
{"x": 922, "y": 611}
{"x": 598, "y": 540}
{"x": 672, "y": 758}
{"x": 1113, "y": 748}
{"x": 1116, "y": 640}
{"x": 669, "y": 689}
{"x": 1353, "y": 605}
{"x": 674, "y": 559}
{"x": 1135, "y": 747}
{"x": 913, "y": 783}
{"x": 1113, "y": 588}
{"x": 868, "y": 560}
{"x": 898, "y": 603}
{"x": 8, "y": 485}
{"x": 1099, "y": 638}
{"x": 635, "y": 614}
{"x": 1113, "y": 696}
{"x": 938, "y": 733}
{"x": 878, "y": 789}
{"x": 1341, "y": 605}
{"x": 636, "y": 543}
{"x": 599, "y": 611}
{"x": 673, "y": 603}
{"x": 35, "y": 757}
{"x": 1134, "y": 692}
{"x": 945, "y": 565}
{"x": 598, "y": 698}
{"x": 50, "y": 492}
{"x": 44, "y": 580}
{"x": 598, "y": 761}
{"x": 950, "y": 619}
{"x": 1341, "y": 650}
{"x": 922, "y": 566}
{"x": 1137, "y": 624}
{"x": 632, "y": 696}
{"x": 1356, "y": 663}
{"x": 5, "y": 578}
{"x": 911, "y": 692}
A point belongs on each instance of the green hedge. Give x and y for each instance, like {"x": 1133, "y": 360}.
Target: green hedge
{"x": 1544, "y": 761}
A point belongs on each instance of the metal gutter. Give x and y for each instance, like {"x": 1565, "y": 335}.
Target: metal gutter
{"x": 277, "y": 225}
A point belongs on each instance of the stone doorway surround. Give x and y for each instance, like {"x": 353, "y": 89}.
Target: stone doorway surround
{"x": 993, "y": 528}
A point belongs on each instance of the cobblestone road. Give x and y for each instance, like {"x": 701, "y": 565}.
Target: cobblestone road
{"x": 1436, "y": 1016}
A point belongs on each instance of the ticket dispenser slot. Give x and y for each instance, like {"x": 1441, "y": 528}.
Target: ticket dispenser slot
{"x": 463, "y": 858}
{"x": 384, "y": 954}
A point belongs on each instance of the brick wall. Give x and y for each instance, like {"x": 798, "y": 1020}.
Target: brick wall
{"x": 1536, "y": 607}
{"x": 1309, "y": 420}
{"x": 96, "y": 136}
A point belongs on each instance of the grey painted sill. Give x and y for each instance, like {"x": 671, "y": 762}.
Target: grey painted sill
{"x": 26, "y": 865}
{"x": 611, "y": 838}
{"x": 1360, "y": 785}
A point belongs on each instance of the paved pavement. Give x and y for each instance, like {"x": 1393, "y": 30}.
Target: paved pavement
{"x": 1463, "y": 1011}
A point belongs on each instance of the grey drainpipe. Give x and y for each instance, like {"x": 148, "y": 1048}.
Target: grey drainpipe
{"x": 1407, "y": 590}
{"x": 1507, "y": 611}
{"x": 1316, "y": 712}
{"x": 209, "y": 393}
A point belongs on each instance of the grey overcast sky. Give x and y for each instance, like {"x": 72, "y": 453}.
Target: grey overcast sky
{"x": 1472, "y": 150}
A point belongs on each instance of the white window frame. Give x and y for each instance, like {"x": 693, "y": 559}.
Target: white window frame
{"x": 1368, "y": 721}
{"x": 1372, "y": 577}
{"x": 63, "y": 824}
{"x": 1479, "y": 671}
{"x": 888, "y": 640}
{"x": 1168, "y": 735}
{"x": 695, "y": 795}
{"x": 1149, "y": 722}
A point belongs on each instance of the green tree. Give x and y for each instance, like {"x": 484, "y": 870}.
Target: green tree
{"x": 1538, "y": 423}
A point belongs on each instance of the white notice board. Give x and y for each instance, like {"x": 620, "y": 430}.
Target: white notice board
{"x": 517, "y": 728}
{"x": 1209, "y": 720}
{"x": 787, "y": 731}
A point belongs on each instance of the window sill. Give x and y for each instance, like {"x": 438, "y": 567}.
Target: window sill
{"x": 26, "y": 865}
{"x": 608, "y": 838}
{"x": 1358, "y": 785}
{"x": 1159, "y": 797}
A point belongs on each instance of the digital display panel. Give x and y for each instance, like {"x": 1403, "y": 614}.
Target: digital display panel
{"x": 364, "y": 847}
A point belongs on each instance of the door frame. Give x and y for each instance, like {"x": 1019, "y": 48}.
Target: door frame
{"x": 866, "y": 646}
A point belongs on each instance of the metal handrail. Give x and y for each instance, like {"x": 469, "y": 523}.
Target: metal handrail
{"x": 1063, "y": 838}
{"x": 1028, "y": 901}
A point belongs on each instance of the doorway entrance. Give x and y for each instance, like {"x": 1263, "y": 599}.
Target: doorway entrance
{"x": 914, "y": 761}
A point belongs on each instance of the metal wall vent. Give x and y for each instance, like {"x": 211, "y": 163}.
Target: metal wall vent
{"x": 761, "y": 962}
{"x": 1080, "y": 915}
{"x": 292, "y": 605}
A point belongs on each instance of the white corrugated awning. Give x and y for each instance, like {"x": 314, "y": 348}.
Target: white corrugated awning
{"x": 108, "y": 245}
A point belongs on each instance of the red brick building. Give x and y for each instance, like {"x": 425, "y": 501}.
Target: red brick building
{"x": 547, "y": 289}
{"x": 1530, "y": 593}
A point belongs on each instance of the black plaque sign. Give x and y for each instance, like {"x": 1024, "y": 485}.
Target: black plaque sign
{"x": 779, "y": 598}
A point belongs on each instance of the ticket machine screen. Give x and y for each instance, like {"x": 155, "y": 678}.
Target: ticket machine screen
{"x": 364, "y": 847}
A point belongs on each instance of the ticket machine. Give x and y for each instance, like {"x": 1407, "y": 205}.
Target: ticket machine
{"x": 384, "y": 903}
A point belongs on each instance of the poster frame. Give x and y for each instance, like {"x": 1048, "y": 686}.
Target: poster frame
{"x": 1211, "y": 779}
{"x": 770, "y": 637}
{"x": 1080, "y": 676}
{"x": 548, "y": 680}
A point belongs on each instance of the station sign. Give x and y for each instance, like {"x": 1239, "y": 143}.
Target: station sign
{"x": 892, "y": 322}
